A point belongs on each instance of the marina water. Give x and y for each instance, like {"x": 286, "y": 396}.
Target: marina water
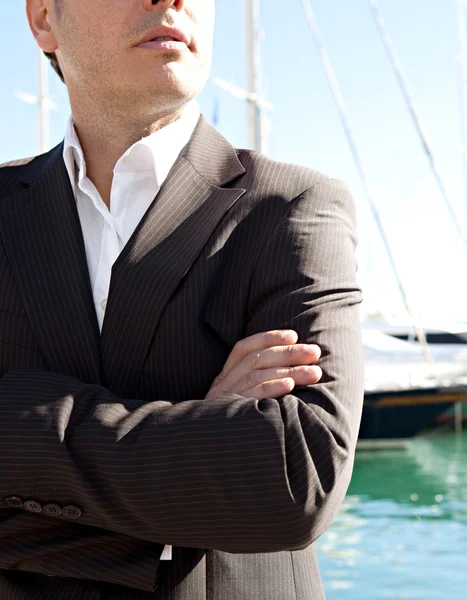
{"x": 402, "y": 531}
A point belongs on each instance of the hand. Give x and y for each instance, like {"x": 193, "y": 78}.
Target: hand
{"x": 267, "y": 365}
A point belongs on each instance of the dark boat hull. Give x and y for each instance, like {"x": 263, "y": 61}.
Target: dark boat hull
{"x": 404, "y": 414}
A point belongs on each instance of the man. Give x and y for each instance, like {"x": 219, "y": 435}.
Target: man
{"x": 165, "y": 431}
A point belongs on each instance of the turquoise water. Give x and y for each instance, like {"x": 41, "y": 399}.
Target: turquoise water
{"x": 402, "y": 531}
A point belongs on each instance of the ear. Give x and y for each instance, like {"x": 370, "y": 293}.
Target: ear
{"x": 39, "y": 22}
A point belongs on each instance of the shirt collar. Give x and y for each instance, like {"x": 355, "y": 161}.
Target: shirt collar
{"x": 156, "y": 152}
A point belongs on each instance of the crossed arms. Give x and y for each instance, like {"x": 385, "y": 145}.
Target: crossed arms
{"x": 232, "y": 473}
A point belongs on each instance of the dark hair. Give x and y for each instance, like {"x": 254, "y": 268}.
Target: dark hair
{"x": 53, "y": 59}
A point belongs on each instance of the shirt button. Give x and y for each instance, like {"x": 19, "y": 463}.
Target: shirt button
{"x": 71, "y": 512}
{"x": 104, "y": 304}
{"x": 14, "y": 502}
{"x": 52, "y": 510}
{"x": 128, "y": 158}
{"x": 33, "y": 506}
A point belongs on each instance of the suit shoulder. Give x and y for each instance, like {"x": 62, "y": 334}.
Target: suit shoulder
{"x": 20, "y": 162}
{"x": 11, "y": 173}
{"x": 32, "y": 163}
{"x": 285, "y": 179}
{"x": 15, "y": 173}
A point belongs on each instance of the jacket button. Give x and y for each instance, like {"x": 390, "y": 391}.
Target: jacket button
{"x": 14, "y": 501}
{"x": 52, "y": 510}
{"x": 71, "y": 512}
{"x": 33, "y": 506}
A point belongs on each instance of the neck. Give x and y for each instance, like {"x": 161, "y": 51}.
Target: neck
{"x": 105, "y": 137}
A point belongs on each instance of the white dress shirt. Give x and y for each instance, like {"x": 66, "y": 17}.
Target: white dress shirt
{"x": 137, "y": 178}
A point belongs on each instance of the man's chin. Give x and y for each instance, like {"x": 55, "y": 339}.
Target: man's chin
{"x": 156, "y": 99}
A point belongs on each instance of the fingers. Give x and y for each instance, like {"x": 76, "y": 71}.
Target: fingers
{"x": 303, "y": 375}
{"x": 276, "y": 388}
{"x": 268, "y": 364}
{"x": 271, "y": 389}
{"x": 256, "y": 343}
{"x": 278, "y": 356}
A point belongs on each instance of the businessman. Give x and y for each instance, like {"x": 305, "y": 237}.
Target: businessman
{"x": 180, "y": 356}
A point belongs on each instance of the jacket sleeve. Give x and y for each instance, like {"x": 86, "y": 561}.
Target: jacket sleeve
{"x": 230, "y": 473}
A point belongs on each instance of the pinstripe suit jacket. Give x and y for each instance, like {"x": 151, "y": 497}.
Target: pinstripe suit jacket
{"x": 117, "y": 424}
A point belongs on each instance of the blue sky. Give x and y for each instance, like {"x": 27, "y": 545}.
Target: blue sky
{"x": 306, "y": 128}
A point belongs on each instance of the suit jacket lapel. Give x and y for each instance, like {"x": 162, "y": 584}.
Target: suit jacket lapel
{"x": 43, "y": 240}
{"x": 165, "y": 245}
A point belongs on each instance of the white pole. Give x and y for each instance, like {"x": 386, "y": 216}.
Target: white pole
{"x": 461, "y": 22}
{"x": 44, "y": 123}
{"x": 255, "y": 133}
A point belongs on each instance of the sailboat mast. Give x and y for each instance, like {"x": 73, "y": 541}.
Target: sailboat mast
{"x": 339, "y": 100}
{"x": 255, "y": 135}
{"x": 42, "y": 101}
{"x": 391, "y": 52}
{"x": 461, "y": 22}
